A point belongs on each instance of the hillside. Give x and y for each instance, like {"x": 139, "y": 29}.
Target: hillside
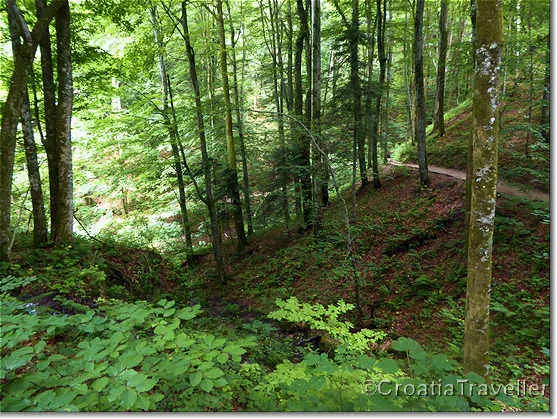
{"x": 450, "y": 151}
{"x": 412, "y": 282}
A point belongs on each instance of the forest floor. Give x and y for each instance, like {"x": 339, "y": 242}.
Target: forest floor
{"x": 408, "y": 250}
{"x": 411, "y": 268}
{"x": 502, "y": 186}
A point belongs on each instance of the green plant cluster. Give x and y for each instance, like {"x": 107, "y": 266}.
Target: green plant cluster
{"x": 118, "y": 357}
{"x": 326, "y": 319}
{"x": 121, "y": 356}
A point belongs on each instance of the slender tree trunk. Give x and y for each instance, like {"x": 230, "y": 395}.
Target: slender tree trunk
{"x": 63, "y": 126}
{"x": 545, "y": 108}
{"x": 489, "y": 42}
{"x": 232, "y": 175}
{"x": 383, "y": 81}
{"x": 320, "y": 171}
{"x": 240, "y": 125}
{"x": 205, "y": 162}
{"x": 469, "y": 165}
{"x": 530, "y": 82}
{"x": 177, "y": 149}
{"x": 420, "y": 95}
{"x": 40, "y": 234}
{"x": 369, "y": 86}
{"x": 49, "y": 103}
{"x": 387, "y": 107}
{"x": 303, "y": 142}
{"x": 438, "y": 118}
{"x": 411, "y": 128}
{"x": 378, "y": 95}
{"x": 274, "y": 48}
{"x": 353, "y": 35}
{"x": 170, "y": 122}
{"x": 24, "y": 45}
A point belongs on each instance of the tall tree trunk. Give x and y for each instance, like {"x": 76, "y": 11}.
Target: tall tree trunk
{"x": 353, "y": 36}
{"x": 378, "y": 96}
{"x": 303, "y": 142}
{"x": 40, "y": 233}
{"x": 177, "y": 149}
{"x": 49, "y": 103}
{"x": 439, "y": 118}
{"x": 232, "y": 175}
{"x": 275, "y": 50}
{"x": 387, "y": 106}
{"x": 410, "y": 100}
{"x": 64, "y": 106}
{"x": 489, "y": 42}
{"x": 469, "y": 164}
{"x": 240, "y": 125}
{"x": 369, "y": 86}
{"x": 530, "y": 82}
{"x": 205, "y": 162}
{"x": 320, "y": 171}
{"x": 420, "y": 95}
{"x": 24, "y": 45}
{"x": 545, "y": 108}
{"x": 170, "y": 122}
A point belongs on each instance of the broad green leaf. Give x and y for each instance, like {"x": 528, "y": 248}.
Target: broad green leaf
{"x": 195, "y": 378}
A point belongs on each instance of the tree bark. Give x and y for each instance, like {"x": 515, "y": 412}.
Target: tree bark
{"x": 240, "y": 125}
{"x": 439, "y": 114}
{"x": 469, "y": 164}
{"x": 205, "y": 161}
{"x": 169, "y": 118}
{"x": 353, "y": 37}
{"x": 64, "y": 225}
{"x": 488, "y": 51}
{"x": 49, "y": 104}
{"x": 320, "y": 171}
{"x": 545, "y": 108}
{"x": 369, "y": 91}
{"x": 410, "y": 100}
{"x": 420, "y": 95}
{"x": 40, "y": 233}
{"x": 382, "y": 68}
{"x": 232, "y": 175}
{"x": 24, "y": 45}
{"x": 304, "y": 174}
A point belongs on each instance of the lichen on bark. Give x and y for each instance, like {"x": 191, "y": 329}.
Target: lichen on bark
{"x": 488, "y": 50}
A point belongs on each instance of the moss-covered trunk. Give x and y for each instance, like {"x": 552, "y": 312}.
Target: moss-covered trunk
{"x": 483, "y": 181}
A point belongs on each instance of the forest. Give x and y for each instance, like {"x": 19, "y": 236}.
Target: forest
{"x": 275, "y": 205}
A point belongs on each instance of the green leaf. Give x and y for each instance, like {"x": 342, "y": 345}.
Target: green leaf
{"x": 189, "y": 313}
{"x": 222, "y": 358}
{"x": 195, "y": 378}
{"x": 100, "y": 384}
{"x": 406, "y": 345}
{"x": 387, "y": 365}
{"x": 214, "y": 373}
{"x": 206, "y": 385}
{"x": 130, "y": 360}
{"x": 128, "y": 398}
{"x": 115, "y": 392}
{"x": 17, "y": 358}
{"x": 141, "y": 382}
{"x": 220, "y": 382}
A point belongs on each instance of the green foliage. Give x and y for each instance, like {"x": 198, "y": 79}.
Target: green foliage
{"x": 326, "y": 319}
{"x": 119, "y": 357}
{"x": 363, "y": 382}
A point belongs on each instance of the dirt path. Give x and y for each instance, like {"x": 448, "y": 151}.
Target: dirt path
{"x": 502, "y": 187}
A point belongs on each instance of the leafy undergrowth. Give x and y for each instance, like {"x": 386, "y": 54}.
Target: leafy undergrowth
{"x": 76, "y": 334}
{"x": 411, "y": 272}
{"x": 515, "y": 166}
